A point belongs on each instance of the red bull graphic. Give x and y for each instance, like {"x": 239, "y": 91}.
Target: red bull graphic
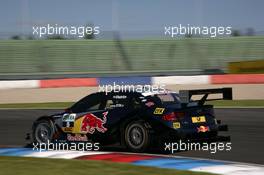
{"x": 203, "y": 129}
{"x": 91, "y": 123}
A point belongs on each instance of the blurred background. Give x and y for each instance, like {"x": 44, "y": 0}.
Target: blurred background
{"x": 131, "y": 39}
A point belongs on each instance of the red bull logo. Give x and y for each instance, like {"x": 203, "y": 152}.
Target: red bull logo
{"x": 91, "y": 123}
{"x": 203, "y": 129}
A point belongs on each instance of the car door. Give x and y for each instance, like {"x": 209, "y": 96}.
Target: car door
{"x": 119, "y": 106}
{"x": 87, "y": 116}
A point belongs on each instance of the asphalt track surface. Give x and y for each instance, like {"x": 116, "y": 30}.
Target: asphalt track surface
{"x": 246, "y": 127}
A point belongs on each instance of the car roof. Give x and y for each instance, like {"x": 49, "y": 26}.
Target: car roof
{"x": 144, "y": 93}
{"x": 158, "y": 93}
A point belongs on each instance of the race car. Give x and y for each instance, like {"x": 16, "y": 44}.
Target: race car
{"x": 136, "y": 120}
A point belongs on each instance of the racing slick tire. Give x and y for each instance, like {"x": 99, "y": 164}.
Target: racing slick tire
{"x": 43, "y": 131}
{"x": 137, "y": 136}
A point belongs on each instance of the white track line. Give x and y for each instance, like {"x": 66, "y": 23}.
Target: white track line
{"x": 63, "y": 154}
{"x": 227, "y": 168}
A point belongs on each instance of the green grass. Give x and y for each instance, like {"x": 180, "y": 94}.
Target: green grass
{"x": 44, "y": 166}
{"x": 51, "y": 105}
{"x": 63, "y": 105}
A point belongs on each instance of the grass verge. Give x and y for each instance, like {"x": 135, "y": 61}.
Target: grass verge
{"x": 51, "y": 105}
{"x": 45, "y": 166}
{"x": 63, "y": 105}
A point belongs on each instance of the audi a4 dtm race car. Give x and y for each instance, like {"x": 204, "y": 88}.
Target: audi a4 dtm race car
{"x": 135, "y": 120}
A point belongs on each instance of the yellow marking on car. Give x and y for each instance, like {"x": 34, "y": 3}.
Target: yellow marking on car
{"x": 198, "y": 119}
{"x": 159, "y": 110}
{"x": 176, "y": 125}
{"x": 67, "y": 129}
{"x": 78, "y": 125}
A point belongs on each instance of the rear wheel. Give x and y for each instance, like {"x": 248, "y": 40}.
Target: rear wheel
{"x": 43, "y": 131}
{"x": 137, "y": 136}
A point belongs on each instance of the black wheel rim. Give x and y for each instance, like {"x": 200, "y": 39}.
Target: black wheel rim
{"x": 136, "y": 136}
{"x": 43, "y": 133}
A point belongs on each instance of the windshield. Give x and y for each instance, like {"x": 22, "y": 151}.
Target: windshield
{"x": 170, "y": 99}
{"x": 166, "y": 98}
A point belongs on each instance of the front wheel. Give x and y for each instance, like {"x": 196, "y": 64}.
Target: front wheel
{"x": 43, "y": 131}
{"x": 137, "y": 136}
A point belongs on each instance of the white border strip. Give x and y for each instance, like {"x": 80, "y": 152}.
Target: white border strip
{"x": 63, "y": 154}
{"x": 173, "y": 80}
{"x": 20, "y": 84}
{"x": 199, "y": 79}
{"x": 230, "y": 168}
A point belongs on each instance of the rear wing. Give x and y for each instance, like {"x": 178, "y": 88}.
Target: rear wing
{"x": 186, "y": 95}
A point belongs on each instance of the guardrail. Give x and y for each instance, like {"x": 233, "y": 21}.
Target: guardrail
{"x": 61, "y": 57}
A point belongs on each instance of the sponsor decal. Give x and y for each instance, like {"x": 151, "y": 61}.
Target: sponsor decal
{"x": 203, "y": 129}
{"x": 176, "y": 125}
{"x": 198, "y": 119}
{"x": 90, "y": 123}
{"x": 118, "y": 105}
{"x": 68, "y": 122}
{"x": 149, "y": 104}
{"x": 68, "y": 117}
{"x": 68, "y": 129}
{"x": 77, "y": 137}
{"x": 159, "y": 110}
{"x": 119, "y": 96}
{"x": 143, "y": 100}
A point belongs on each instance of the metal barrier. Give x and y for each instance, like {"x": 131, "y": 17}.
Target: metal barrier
{"x": 22, "y": 57}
